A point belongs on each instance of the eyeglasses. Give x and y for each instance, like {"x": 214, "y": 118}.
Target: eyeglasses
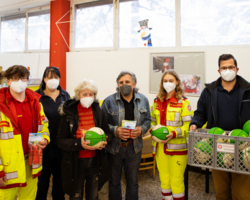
{"x": 15, "y": 79}
{"x": 230, "y": 68}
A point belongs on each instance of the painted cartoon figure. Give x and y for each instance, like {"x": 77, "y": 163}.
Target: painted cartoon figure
{"x": 145, "y": 34}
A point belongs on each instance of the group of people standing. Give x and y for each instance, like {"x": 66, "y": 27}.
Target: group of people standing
{"x": 78, "y": 168}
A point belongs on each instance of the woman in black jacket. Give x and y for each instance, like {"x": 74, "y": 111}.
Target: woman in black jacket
{"x": 52, "y": 96}
{"x": 81, "y": 161}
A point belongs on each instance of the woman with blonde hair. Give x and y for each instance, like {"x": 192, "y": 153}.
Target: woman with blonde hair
{"x": 173, "y": 110}
{"x": 80, "y": 161}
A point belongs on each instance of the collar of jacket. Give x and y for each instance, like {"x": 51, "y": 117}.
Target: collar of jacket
{"x": 40, "y": 91}
{"x": 118, "y": 96}
{"x": 70, "y": 107}
{"x": 244, "y": 85}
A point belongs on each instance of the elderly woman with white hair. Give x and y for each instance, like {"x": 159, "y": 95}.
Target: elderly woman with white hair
{"x": 80, "y": 161}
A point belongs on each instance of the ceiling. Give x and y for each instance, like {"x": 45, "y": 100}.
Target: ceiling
{"x": 12, "y": 5}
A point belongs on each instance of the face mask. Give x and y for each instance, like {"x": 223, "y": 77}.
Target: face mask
{"x": 169, "y": 87}
{"x": 228, "y": 75}
{"x": 86, "y": 102}
{"x": 126, "y": 90}
{"x": 53, "y": 83}
{"x": 18, "y": 86}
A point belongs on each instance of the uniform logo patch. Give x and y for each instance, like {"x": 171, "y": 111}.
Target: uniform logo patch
{"x": 189, "y": 108}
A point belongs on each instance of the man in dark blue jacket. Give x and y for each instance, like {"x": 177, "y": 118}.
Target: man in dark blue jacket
{"x": 225, "y": 103}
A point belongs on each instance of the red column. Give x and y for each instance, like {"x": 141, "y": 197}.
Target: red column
{"x": 58, "y": 46}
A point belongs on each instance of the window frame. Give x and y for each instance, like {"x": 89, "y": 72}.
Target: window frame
{"x": 116, "y": 4}
{"x": 26, "y": 12}
{"x": 72, "y": 28}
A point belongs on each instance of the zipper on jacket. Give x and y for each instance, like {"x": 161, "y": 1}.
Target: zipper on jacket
{"x": 213, "y": 109}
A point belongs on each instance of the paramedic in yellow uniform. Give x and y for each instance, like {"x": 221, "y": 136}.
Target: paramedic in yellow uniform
{"x": 173, "y": 110}
{"x": 20, "y": 114}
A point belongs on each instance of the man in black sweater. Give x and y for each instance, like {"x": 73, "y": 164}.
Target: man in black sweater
{"x": 225, "y": 103}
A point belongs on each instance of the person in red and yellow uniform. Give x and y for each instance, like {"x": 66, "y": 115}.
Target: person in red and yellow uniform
{"x": 20, "y": 114}
{"x": 173, "y": 110}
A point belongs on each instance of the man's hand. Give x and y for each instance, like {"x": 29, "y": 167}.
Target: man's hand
{"x": 43, "y": 144}
{"x": 122, "y": 133}
{"x": 103, "y": 145}
{"x": 169, "y": 137}
{"x": 193, "y": 127}
{"x": 136, "y": 133}
{"x": 85, "y": 144}
{"x": 2, "y": 180}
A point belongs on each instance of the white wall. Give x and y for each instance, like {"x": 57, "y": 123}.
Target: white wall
{"x": 104, "y": 66}
{"x": 36, "y": 61}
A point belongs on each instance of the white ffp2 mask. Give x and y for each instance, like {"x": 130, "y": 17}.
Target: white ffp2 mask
{"x": 53, "y": 83}
{"x": 18, "y": 86}
{"x": 228, "y": 75}
{"x": 86, "y": 102}
{"x": 169, "y": 87}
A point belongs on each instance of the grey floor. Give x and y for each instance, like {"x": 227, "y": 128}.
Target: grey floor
{"x": 149, "y": 187}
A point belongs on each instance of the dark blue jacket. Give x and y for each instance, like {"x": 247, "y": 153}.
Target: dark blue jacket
{"x": 207, "y": 104}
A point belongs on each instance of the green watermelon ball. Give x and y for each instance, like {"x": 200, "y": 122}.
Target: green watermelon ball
{"x": 159, "y": 133}
{"x": 215, "y": 131}
{"x": 237, "y": 132}
{"x": 95, "y": 136}
{"x": 204, "y": 147}
{"x": 246, "y": 126}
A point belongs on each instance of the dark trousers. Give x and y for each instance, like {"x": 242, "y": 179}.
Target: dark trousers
{"x": 88, "y": 170}
{"x": 131, "y": 162}
{"x": 50, "y": 166}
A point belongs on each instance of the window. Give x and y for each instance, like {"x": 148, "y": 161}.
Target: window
{"x": 224, "y": 22}
{"x": 13, "y": 33}
{"x": 161, "y": 18}
{"x": 39, "y": 30}
{"x": 94, "y": 24}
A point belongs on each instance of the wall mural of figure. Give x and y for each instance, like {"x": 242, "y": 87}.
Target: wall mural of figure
{"x": 145, "y": 33}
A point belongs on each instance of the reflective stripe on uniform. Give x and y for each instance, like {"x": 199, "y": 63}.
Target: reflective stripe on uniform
{"x": 177, "y": 146}
{"x": 153, "y": 149}
{"x": 174, "y": 123}
{"x": 44, "y": 133}
{"x": 1, "y": 161}
{"x": 177, "y": 116}
{"x": 6, "y": 136}
{"x": 178, "y": 130}
{"x": 40, "y": 127}
{"x": 187, "y": 118}
{"x": 46, "y": 120}
{"x": 11, "y": 175}
{"x": 153, "y": 119}
{"x": 36, "y": 166}
{"x": 179, "y": 195}
{"x": 166, "y": 191}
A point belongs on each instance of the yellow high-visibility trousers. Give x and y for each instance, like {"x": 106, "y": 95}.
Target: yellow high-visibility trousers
{"x": 23, "y": 193}
{"x": 171, "y": 171}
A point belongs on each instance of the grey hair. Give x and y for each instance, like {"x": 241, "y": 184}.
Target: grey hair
{"x": 123, "y": 73}
{"x": 85, "y": 84}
